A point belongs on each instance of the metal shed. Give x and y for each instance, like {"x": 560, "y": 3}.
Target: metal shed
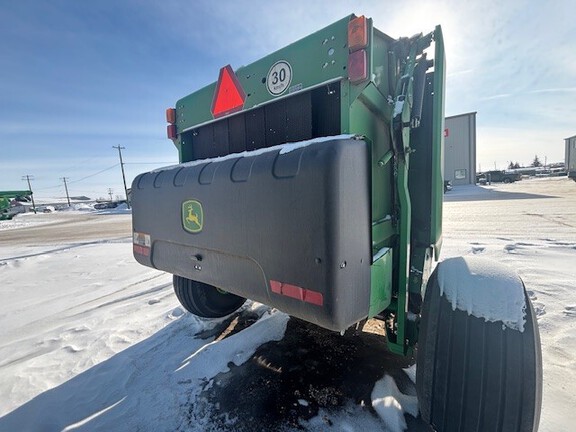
{"x": 570, "y": 156}
{"x": 460, "y": 149}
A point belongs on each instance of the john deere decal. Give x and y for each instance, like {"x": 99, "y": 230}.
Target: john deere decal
{"x": 192, "y": 216}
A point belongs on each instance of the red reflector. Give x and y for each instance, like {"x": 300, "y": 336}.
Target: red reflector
{"x": 141, "y": 250}
{"x": 171, "y": 131}
{"x": 357, "y": 33}
{"x": 229, "y": 96}
{"x": 296, "y": 292}
{"x": 171, "y": 115}
{"x": 357, "y": 66}
{"x": 446, "y": 132}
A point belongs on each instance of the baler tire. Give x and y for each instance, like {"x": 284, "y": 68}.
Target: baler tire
{"x": 475, "y": 375}
{"x": 205, "y": 300}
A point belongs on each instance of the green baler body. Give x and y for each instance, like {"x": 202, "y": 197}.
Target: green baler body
{"x": 405, "y": 154}
{"x": 6, "y": 197}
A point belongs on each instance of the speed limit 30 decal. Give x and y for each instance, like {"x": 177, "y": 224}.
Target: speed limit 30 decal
{"x": 279, "y": 77}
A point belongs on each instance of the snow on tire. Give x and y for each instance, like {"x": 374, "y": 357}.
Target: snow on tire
{"x": 479, "y": 362}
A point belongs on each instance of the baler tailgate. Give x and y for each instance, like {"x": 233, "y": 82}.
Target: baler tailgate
{"x": 287, "y": 228}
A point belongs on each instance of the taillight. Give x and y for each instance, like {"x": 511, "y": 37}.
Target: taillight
{"x": 171, "y": 115}
{"x": 357, "y": 33}
{"x": 357, "y": 66}
{"x": 171, "y": 131}
{"x": 357, "y": 42}
{"x": 171, "y": 118}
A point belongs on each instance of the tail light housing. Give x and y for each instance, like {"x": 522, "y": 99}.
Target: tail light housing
{"x": 358, "y": 66}
{"x": 357, "y": 33}
{"x": 357, "y": 43}
{"x": 171, "y": 131}
{"x": 171, "y": 115}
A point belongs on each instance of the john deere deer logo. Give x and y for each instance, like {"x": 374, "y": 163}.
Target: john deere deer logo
{"x": 192, "y": 216}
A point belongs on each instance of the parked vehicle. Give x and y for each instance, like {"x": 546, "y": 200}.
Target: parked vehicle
{"x": 498, "y": 176}
{"x": 311, "y": 181}
{"x": 109, "y": 204}
{"x": 106, "y": 205}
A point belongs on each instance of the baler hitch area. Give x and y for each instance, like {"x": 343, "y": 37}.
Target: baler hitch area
{"x": 311, "y": 181}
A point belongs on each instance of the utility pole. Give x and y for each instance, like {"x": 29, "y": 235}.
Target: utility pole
{"x": 110, "y": 193}
{"x": 29, "y": 177}
{"x": 66, "y": 187}
{"x": 123, "y": 176}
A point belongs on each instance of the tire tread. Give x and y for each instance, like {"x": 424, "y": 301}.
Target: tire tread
{"x": 204, "y": 300}
{"x": 475, "y": 375}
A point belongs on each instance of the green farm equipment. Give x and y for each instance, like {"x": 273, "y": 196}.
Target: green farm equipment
{"x": 7, "y": 211}
{"x": 311, "y": 181}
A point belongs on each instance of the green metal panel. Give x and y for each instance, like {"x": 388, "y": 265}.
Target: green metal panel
{"x": 15, "y": 193}
{"x": 382, "y": 75}
{"x": 364, "y": 121}
{"x": 381, "y": 281}
{"x": 318, "y": 58}
{"x": 438, "y": 140}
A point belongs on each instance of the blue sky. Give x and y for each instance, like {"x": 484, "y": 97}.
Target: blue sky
{"x": 79, "y": 77}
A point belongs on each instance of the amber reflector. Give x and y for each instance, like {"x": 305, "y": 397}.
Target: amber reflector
{"x": 357, "y": 33}
{"x": 171, "y": 115}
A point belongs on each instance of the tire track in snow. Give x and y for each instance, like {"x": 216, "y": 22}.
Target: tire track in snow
{"x": 67, "y": 248}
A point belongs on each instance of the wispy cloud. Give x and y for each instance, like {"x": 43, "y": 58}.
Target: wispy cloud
{"x": 459, "y": 73}
{"x": 554, "y": 90}
{"x": 498, "y": 96}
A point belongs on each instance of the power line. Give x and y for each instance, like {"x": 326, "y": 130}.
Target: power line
{"x": 95, "y": 174}
{"x": 48, "y": 187}
{"x": 76, "y": 165}
{"x": 79, "y": 180}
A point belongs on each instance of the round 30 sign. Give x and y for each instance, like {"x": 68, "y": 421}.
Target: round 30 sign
{"x": 279, "y": 77}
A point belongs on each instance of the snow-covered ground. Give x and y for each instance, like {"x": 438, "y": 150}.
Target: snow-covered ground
{"x": 90, "y": 340}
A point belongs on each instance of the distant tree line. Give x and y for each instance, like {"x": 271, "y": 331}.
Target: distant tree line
{"x": 535, "y": 163}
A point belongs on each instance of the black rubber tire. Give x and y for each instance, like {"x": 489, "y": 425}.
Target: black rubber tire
{"x": 474, "y": 375}
{"x": 205, "y": 300}
{"x": 507, "y": 180}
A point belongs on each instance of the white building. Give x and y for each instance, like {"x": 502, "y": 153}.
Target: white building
{"x": 570, "y": 156}
{"x": 460, "y": 149}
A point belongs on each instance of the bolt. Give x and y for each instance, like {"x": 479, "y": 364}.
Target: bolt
{"x": 343, "y": 264}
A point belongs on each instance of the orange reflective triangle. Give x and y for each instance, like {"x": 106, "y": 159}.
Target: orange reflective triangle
{"x": 229, "y": 96}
